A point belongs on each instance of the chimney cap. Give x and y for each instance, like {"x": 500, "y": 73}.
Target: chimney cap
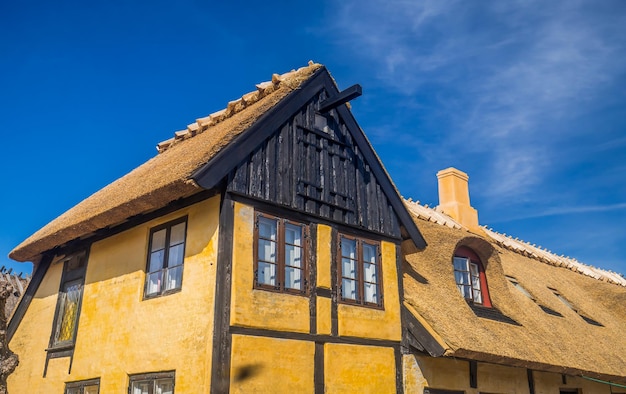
{"x": 452, "y": 171}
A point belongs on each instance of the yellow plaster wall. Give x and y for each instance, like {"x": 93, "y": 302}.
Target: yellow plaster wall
{"x": 375, "y": 323}
{"x": 119, "y": 333}
{"x": 494, "y": 378}
{"x": 259, "y": 308}
{"x": 359, "y": 369}
{"x": 439, "y": 373}
{"x": 548, "y": 383}
{"x": 324, "y": 245}
{"x": 271, "y": 365}
{"x": 323, "y": 315}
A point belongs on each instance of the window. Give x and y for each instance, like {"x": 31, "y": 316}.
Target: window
{"x": 165, "y": 260}
{"x": 519, "y": 287}
{"x": 571, "y": 306}
{"x": 359, "y": 271}
{"x": 152, "y": 383}
{"x": 91, "y": 386}
{"x": 68, "y": 302}
{"x": 280, "y": 263}
{"x": 469, "y": 275}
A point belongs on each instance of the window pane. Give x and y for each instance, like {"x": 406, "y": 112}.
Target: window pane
{"x": 369, "y": 271}
{"x": 478, "y": 298}
{"x": 176, "y": 255}
{"x": 267, "y": 228}
{"x": 348, "y": 268}
{"x": 174, "y": 277}
{"x": 348, "y": 289}
{"x": 141, "y": 387}
{"x": 460, "y": 264}
{"x": 156, "y": 260}
{"x": 476, "y": 282}
{"x": 158, "y": 240}
{"x": 164, "y": 386}
{"x": 69, "y": 311}
{"x": 267, "y": 250}
{"x": 92, "y": 389}
{"x": 458, "y": 277}
{"x": 474, "y": 269}
{"x": 177, "y": 236}
{"x": 348, "y": 248}
{"x": 293, "y": 255}
{"x": 73, "y": 390}
{"x": 369, "y": 253}
{"x": 467, "y": 292}
{"x": 154, "y": 283}
{"x": 371, "y": 293}
{"x": 293, "y": 234}
{"x": 266, "y": 274}
{"x": 293, "y": 278}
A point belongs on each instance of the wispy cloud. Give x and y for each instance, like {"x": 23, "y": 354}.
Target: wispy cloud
{"x": 562, "y": 211}
{"x": 504, "y": 75}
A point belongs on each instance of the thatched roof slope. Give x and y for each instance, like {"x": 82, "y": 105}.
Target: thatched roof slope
{"x": 166, "y": 177}
{"x": 543, "y": 341}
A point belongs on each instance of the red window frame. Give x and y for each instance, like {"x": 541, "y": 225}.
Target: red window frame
{"x": 467, "y": 253}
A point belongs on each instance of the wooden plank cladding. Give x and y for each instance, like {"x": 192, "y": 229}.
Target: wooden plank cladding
{"x": 312, "y": 164}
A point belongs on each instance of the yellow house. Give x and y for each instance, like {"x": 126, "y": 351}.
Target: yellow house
{"x": 488, "y": 313}
{"x": 266, "y": 250}
{"x": 259, "y": 251}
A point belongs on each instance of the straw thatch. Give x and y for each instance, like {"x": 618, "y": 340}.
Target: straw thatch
{"x": 565, "y": 344}
{"x": 166, "y": 177}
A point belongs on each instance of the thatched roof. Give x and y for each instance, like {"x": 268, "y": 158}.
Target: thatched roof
{"x": 166, "y": 177}
{"x": 542, "y": 341}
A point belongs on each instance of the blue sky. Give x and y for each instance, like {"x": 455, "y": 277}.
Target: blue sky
{"x": 527, "y": 97}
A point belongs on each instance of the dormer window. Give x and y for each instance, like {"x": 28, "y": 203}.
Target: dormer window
{"x": 469, "y": 275}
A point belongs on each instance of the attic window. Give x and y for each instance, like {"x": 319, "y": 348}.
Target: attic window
{"x": 519, "y": 287}
{"x": 572, "y": 307}
{"x": 469, "y": 275}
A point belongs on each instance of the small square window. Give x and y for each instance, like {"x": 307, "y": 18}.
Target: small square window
{"x": 166, "y": 255}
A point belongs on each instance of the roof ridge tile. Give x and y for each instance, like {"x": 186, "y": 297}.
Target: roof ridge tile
{"x": 517, "y": 245}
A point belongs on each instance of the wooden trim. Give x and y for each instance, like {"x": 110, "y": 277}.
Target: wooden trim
{"x": 531, "y": 381}
{"x": 35, "y": 281}
{"x": 397, "y": 354}
{"x": 318, "y": 371}
{"x": 209, "y": 175}
{"x": 133, "y": 221}
{"x": 220, "y": 370}
{"x": 381, "y": 175}
{"x": 419, "y": 333}
{"x": 301, "y": 216}
{"x": 334, "y": 309}
{"x": 473, "y": 374}
{"x": 311, "y": 242}
{"x": 340, "y": 98}
{"x": 300, "y": 336}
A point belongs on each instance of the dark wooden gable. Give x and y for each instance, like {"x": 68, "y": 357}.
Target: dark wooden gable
{"x": 317, "y": 163}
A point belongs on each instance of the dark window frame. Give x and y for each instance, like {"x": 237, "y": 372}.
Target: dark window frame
{"x": 469, "y": 254}
{"x": 360, "y": 263}
{"x": 74, "y": 270}
{"x": 281, "y": 265}
{"x": 153, "y": 377}
{"x": 163, "y": 291}
{"x": 81, "y": 384}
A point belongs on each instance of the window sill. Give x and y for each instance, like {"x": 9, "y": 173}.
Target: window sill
{"x": 164, "y": 294}
{"x": 365, "y": 305}
{"x": 280, "y": 291}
